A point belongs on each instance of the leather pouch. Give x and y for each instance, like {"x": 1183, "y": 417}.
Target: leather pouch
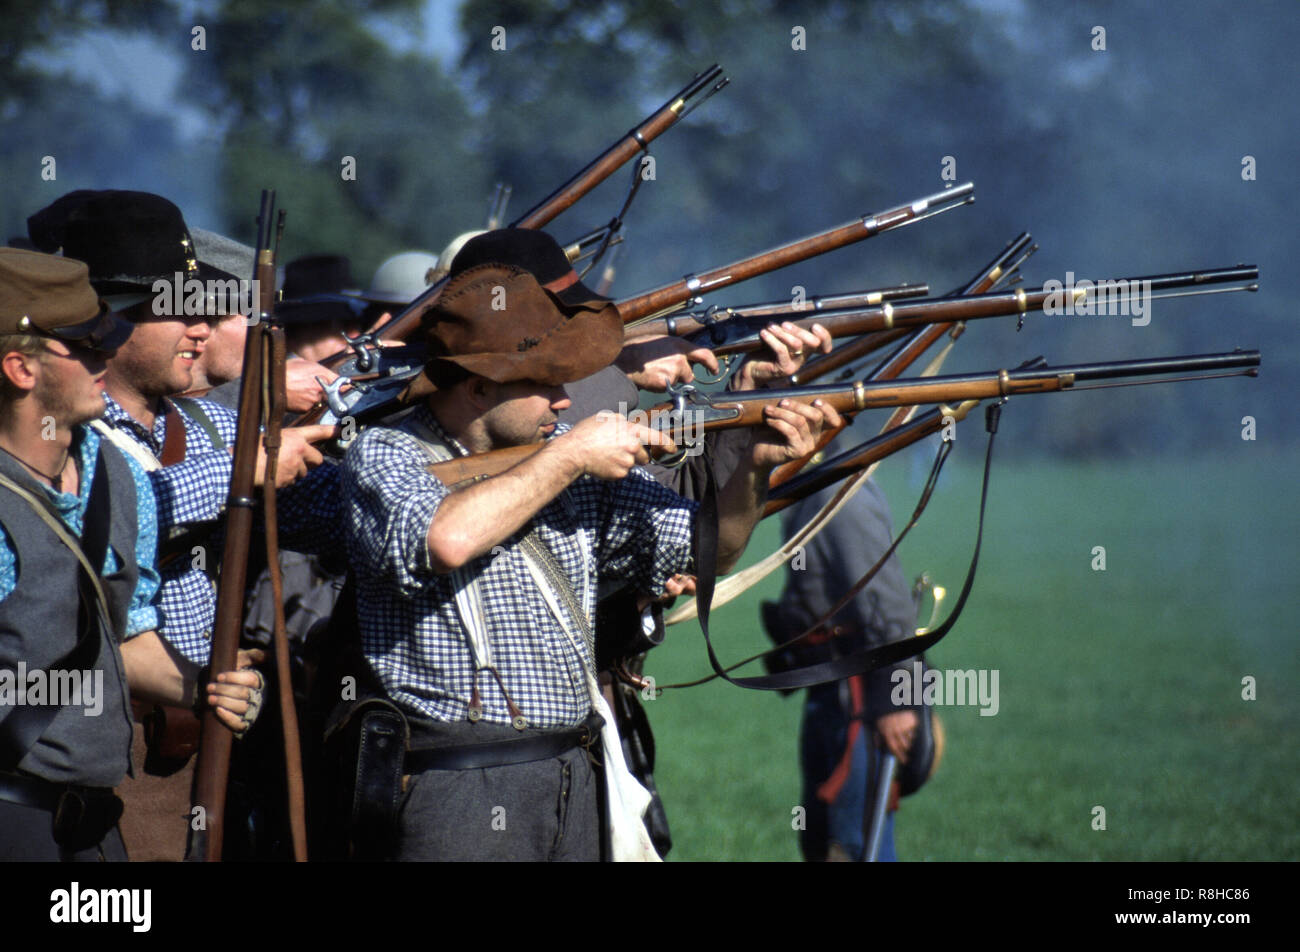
{"x": 370, "y": 741}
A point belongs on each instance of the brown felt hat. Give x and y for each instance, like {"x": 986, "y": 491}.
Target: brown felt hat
{"x": 497, "y": 321}
{"x": 51, "y": 296}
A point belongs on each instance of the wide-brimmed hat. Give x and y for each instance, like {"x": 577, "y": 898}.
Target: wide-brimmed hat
{"x": 514, "y": 309}
{"x": 52, "y": 297}
{"x": 442, "y": 267}
{"x": 399, "y": 280}
{"x": 129, "y": 240}
{"x": 535, "y": 252}
{"x": 318, "y": 289}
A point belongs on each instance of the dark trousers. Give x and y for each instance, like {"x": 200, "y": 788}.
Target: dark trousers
{"x": 27, "y": 836}
{"x": 541, "y": 811}
{"x": 834, "y": 827}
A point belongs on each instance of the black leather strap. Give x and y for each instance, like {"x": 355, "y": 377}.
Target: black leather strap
{"x": 860, "y": 662}
{"x": 42, "y": 794}
{"x": 501, "y": 753}
{"x": 195, "y": 411}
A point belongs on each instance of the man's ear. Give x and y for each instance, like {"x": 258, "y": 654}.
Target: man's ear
{"x": 19, "y": 370}
{"x": 481, "y": 392}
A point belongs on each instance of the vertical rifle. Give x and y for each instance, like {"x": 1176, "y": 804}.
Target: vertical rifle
{"x": 273, "y": 410}
{"x": 213, "y": 768}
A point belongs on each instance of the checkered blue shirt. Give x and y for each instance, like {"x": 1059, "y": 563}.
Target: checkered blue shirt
{"x": 411, "y": 632}
{"x": 193, "y": 492}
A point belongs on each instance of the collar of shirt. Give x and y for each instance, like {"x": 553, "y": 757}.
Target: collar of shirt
{"x": 72, "y": 506}
{"x": 425, "y": 415}
{"x": 119, "y": 419}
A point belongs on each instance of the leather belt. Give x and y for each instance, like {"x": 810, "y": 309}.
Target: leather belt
{"x": 29, "y": 791}
{"x": 504, "y": 752}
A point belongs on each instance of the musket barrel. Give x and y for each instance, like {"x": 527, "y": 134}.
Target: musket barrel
{"x": 615, "y": 156}
{"x": 670, "y": 295}
{"x": 746, "y": 408}
{"x": 215, "y": 741}
{"x": 740, "y": 335}
{"x": 681, "y": 325}
{"x": 918, "y": 341}
{"x": 1159, "y": 365}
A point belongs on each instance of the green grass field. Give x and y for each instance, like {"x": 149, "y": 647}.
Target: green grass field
{"x": 1119, "y": 688}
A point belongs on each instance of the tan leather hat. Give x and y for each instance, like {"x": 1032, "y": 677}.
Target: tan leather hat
{"x": 51, "y": 296}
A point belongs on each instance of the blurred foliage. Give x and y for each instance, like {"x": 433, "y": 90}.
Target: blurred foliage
{"x": 34, "y": 25}
{"x": 1123, "y": 161}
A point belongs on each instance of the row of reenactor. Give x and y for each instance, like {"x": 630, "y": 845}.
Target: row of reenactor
{"x": 479, "y": 620}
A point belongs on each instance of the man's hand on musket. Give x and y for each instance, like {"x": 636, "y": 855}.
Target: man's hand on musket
{"x": 302, "y": 391}
{"x": 654, "y": 363}
{"x": 790, "y": 346}
{"x": 792, "y": 431}
{"x": 296, "y": 456}
{"x": 607, "y": 445}
{"x": 897, "y": 729}
{"x": 237, "y": 696}
{"x": 470, "y": 521}
{"x": 158, "y": 672}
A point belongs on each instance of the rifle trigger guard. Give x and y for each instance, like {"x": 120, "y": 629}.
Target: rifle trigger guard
{"x": 729, "y": 366}
{"x": 689, "y": 448}
{"x": 672, "y": 461}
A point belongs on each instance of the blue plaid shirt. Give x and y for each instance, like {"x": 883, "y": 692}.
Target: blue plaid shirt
{"x": 142, "y": 615}
{"x": 193, "y": 492}
{"x": 411, "y": 632}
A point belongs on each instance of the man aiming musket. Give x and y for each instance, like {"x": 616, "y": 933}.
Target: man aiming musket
{"x": 475, "y": 606}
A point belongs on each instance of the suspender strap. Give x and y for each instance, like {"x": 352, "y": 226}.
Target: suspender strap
{"x": 195, "y": 411}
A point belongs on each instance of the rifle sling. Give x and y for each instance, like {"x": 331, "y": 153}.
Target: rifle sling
{"x": 860, "y": 662}
{"x": 195, "y": 411}
{"x": 823, "y": 625}
{"x": 173, "y": 448}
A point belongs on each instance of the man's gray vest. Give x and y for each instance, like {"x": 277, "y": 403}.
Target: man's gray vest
{"x": 43, "y": 617}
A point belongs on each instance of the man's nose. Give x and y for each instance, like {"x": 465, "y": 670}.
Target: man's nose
{"x": 560, "y": 399}
{"x": 200, "y": 330}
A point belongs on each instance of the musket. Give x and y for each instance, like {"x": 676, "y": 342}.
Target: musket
{"x": 622, "y": 151}
{"x": 740, "y": 335}
{"x": 1005, "y": 262}
{"x": 850, "y": 461}
{"x": 694, "y": 413}
{"x": 604, "y": 165}
{"x": 782, "y": 310}
{"x": 273, "y": 410}
{"x": 497, "y": 206}
{"x": 918, "y": 341}
{"x": 606, "y": 280}
{"x": 671, "y": 296}
{"x": 212, "y": 769}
